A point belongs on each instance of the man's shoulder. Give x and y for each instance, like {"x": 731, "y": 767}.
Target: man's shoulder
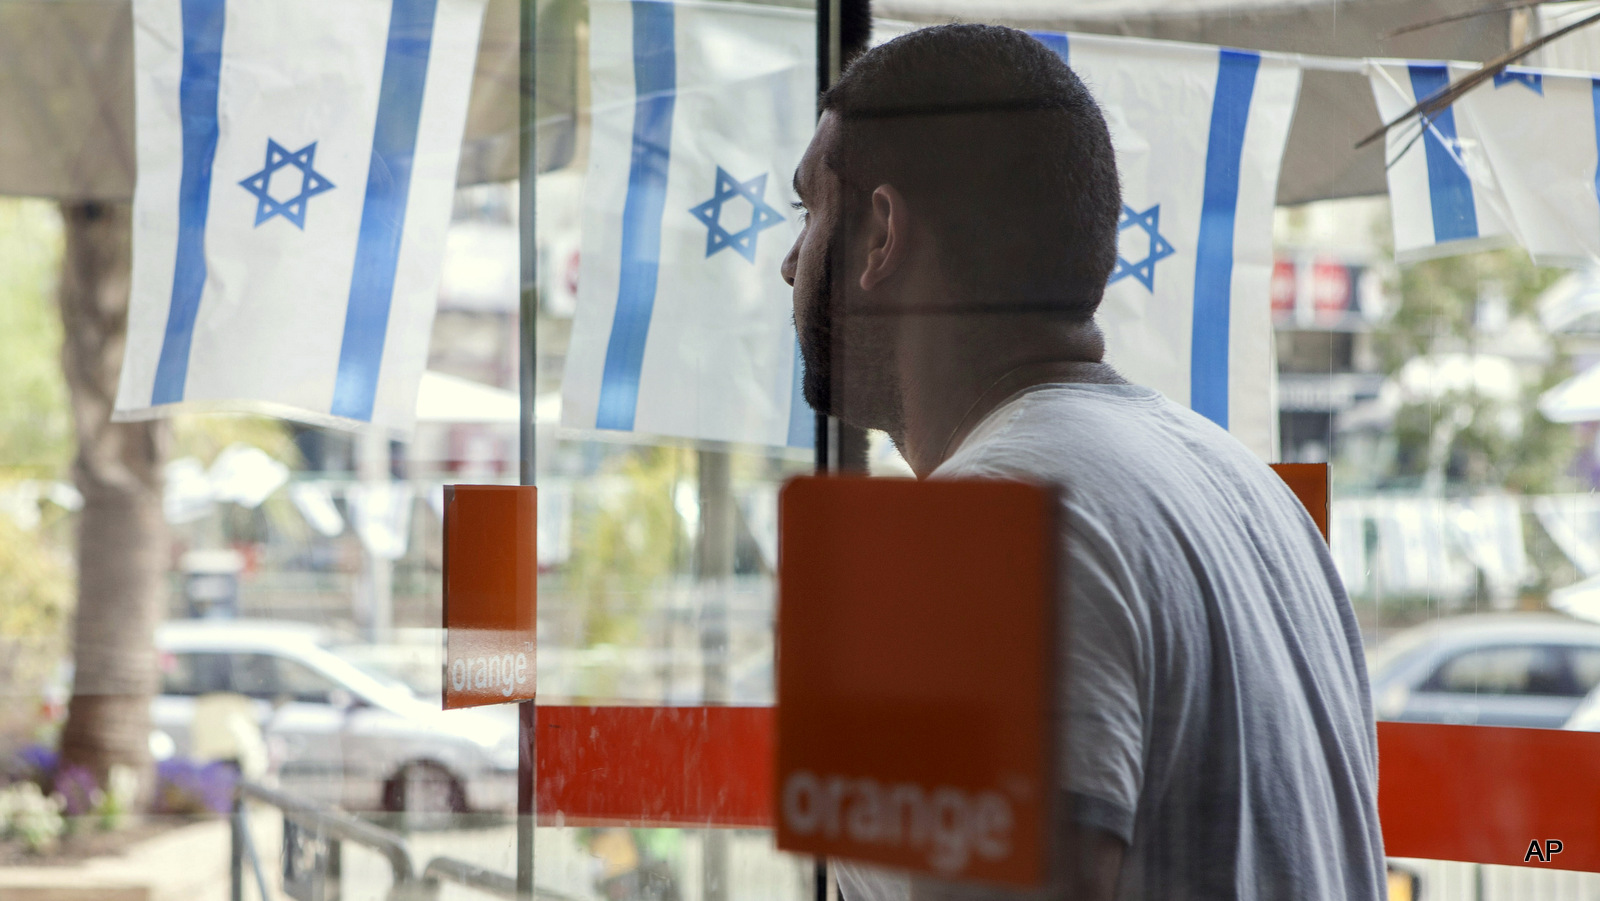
{"x": 1092, "y": 436}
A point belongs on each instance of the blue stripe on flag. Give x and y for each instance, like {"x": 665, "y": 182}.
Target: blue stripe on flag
{"x": 802, "y": 421}
{"x": 1213, "y": 267}
{"x": 1056, "y": 42}
{"x": 655, "y": 83}
{"x": 203, "y": 22}
{"x": 1450, "y": 190}
{"x": 383, "y": 213}
{"x": 1594, "y": 94}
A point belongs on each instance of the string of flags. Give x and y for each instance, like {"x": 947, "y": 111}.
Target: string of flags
{"x": 682, "y": 328}
{"x": 1510, "y": 163}
{"x": 297, "y": 162}
{"x": 701, "y": 113}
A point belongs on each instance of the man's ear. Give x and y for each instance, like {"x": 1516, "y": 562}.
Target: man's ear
{"x": 888, "y": 232}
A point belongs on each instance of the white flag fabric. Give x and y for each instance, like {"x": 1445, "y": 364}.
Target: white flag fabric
{"x": 297, "y": 164}
{"x": 1538, "y": 131}
{"x": 1199, "y": 134}
{"x": 1443, "y": 195}
{"x": 701, "y": 111}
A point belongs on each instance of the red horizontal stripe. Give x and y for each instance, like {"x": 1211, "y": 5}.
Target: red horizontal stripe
{"x": 1467, "y": 793}
{"x": 661, "y": 766}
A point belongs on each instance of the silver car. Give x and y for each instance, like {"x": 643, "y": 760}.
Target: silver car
{"x": 1529, "y": 670}
{"x": 337, "y": 732}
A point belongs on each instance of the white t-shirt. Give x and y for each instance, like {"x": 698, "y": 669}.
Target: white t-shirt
{"x": 1218, "y": 716}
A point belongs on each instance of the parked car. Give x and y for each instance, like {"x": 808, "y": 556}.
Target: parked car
{"x": 1530, "y": 670}
{"x": 337, "y": 732}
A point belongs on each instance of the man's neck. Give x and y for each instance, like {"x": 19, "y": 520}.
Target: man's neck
{"x": 942, "y": 411}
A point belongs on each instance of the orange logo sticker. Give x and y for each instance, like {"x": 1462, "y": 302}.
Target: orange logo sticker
{"x": 916, "y": 674}
{"x": 490, "y": 594}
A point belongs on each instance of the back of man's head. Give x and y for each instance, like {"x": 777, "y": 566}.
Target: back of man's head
{"x": 998, "y": 147}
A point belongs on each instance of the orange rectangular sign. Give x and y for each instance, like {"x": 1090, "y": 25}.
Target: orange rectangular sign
{"x": 1309, "y": 482}
{"x": 916, "y": 675}
{"x": 490, "y": 594}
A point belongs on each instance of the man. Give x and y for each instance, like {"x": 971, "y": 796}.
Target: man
{"x": 961, "y": 204}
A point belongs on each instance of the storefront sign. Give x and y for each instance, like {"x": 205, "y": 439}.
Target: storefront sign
{"x": 1321, "y": 292}
{"x": 916, "y": 674}
{"x": 490, "y": 592}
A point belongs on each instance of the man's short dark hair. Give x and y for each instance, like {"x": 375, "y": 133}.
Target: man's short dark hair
{"x": 995, "y": 142}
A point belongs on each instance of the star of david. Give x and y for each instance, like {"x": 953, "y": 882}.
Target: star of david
{"x": 1533, "y": 81}
{"x": 1159, "y": 249}
{"x": 312, "y": 183}
{"x": 762, "y": 216}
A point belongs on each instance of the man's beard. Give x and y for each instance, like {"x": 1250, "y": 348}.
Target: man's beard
{"x": 846, "y": 354}
{"x": 816, "y": 338}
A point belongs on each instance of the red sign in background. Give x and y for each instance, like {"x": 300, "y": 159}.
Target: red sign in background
{"x": 1317, "y": 292}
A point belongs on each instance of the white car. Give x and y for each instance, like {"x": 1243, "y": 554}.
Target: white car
{"x": 336, "y": 732}
{"x": 1500, "y": 669}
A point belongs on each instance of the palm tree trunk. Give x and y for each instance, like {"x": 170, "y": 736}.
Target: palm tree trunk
{"x": 122, "y": 535}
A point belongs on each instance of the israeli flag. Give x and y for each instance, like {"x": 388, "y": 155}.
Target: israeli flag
{"x": 1199, "y": 134}
{"x": 701, "y": 111}
{"x": 297, "y": 165}
{"x": 1538, "y": 131}
{"x": 1443, "y": 195}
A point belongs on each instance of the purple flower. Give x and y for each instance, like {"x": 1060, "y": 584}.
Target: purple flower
{"x": 38, "y": 763}
{"x": 185, "y": 786}
{"x": 77, "y": 787}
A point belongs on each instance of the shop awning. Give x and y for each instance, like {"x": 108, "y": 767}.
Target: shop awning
{"x": 66, "y": 100}
{"x": 1336, "y": 108}
{"x": 66, "y": 85}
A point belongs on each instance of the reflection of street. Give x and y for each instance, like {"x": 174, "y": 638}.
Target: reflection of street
{"x": 632, "y": 867}
{"x": 563, "y": 863}
{"x": 1532, "y": 670}
{"x": 757, "y": 872}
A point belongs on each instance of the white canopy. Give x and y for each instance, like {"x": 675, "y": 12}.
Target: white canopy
{"x": 1572, "y": 305}
{"x": 1336, "y": 108}
{"x": 1575, "y": 400}
{"x": 449, "y": 398}
{"x": 66, "y": 100}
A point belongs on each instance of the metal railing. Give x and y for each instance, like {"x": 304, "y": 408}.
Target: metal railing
{"x": 313, "y": 836}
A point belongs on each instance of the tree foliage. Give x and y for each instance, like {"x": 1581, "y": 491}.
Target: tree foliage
{"x": 35, "y": 422}
{"x": 630, "y": 540}
{"x": 1439, "y": 300}
{"x": 1475, "y": 441}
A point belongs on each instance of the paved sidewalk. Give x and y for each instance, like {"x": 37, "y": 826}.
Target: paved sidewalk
{"x": 189, "y": 863}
